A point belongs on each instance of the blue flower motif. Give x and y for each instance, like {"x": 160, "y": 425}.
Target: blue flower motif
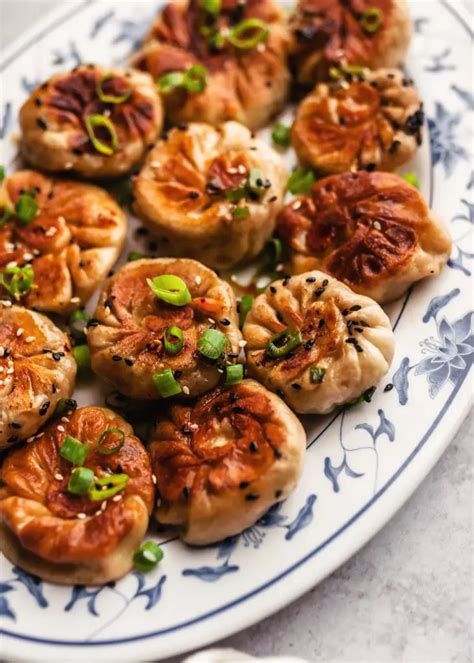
{"x": 444, "y": 146}
{"x": 451, "y": 355}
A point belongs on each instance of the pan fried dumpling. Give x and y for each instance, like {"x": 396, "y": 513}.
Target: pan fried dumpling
{"x": 327, "y": 33}
{"x": 211, "y": 194}
{"x": 372, "y": 231}
{"x": 127, "y": 336}
{"x": 64, "y": 235}
{"x": 372, "y": 122}
{"x": 223, "y": 461}
{"x": 70, "y": 538}
{"x": 37, "y": 369}
{"x": 92, "y": 121}
{"x": 229, "y": 78}
{"x": 317, "y": 343}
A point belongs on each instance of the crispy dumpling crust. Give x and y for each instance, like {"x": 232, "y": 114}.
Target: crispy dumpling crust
{"x": 36, "y": 370}
{"x": 72, "y": 243}
{"x": 249, "y": 85}
{"x": 66, "y": 538}
{"x": 127, "y": 345}
{"x": 372, "y": 231}
{"x": 327, "y": 33}
{"x": 180, "y": 193}
{"x": 223, "y": 461}
{"x": 346, "y": 335}
{"x": 373, "y": 122}
{"x": 53, "y": 121}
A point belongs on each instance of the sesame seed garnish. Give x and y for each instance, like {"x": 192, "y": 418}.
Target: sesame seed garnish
{"x": 61, "y": 429}
{"x": 242, "y": 343}
{"x": 251, "y": 497}
{"x": 81, "y": 516}
{"x": 6, "y": 303}
{"x": 11, "y": 264}
{"x": 377, "y": 225}
{"x": 75, "y": 300}
{"x": 58, "y": 476}
{"x": 186, "y": 390}
{"x": 197, "y": 280}
{"x": 242, "y": 170}
{"x": 153, "y": 476}
{"x": 19, "y": 331}
{"x": 297, "y": 205}
{"x": 116, "y": 498}
{"x": 30, "y": 339}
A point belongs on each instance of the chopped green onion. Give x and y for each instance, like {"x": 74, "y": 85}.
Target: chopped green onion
{"x": 317, "y": 374}
{"x": 26, "y": 208}
{"x": 82, "y": 355}
{"x": 173, "y": 340}
{"x": 63, "y": 406}
{"x": 2, "y": 173}
{"x": 97, "y": 120}
{"x": 212, "y": 344}
{"x": 273, "y": 252}
{"x": 77, "y": 323}
{"x": 412, "y": 179}
{"x": 241, "y": 212}
{"x": 109, "y": 98}
{"x": 80, "y": 481}
{"x": 166, "y": 383}
{"x": 371, "y": 20}
{"x": 301, "y": 180}
{"x": 212, "y": 7}
{"x": 17, "y": 280}
{"x": 194, "y": 80}
{"x": 111, "y": 436}
{"x": 171, "y": 289}
{"x": 147, "y": 556}
{"x": 365, "y": 397}
{"x": 244, "y": 307}
{"x": 107, "y": 486}
{"x": 234, "y": 374}
{"x": 335, "y": 74}
{"x": 281, "y": 135}
{"x": 74, "y": 451}
{"x": 5, "y": 214}
{"x": 249, "y": 33}
{"x": 136, "y": 255}
{"x": 235, "y": 195}
{"x": 353, "y": 70}
{"x": 283, "y": 343}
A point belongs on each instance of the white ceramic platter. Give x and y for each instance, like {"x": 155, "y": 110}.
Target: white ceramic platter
{"x": 361, "y": 464}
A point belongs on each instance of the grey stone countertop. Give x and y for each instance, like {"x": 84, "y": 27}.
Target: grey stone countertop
{"x": 408, "y": 594}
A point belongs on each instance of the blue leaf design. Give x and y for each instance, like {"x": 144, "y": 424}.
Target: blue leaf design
{"x": 332, "y": 472}
{"x": 400, "y": 381}
{"x": 227, "y": 547}
{"x": 100, "y": 22}
{"x": 444, "y": 146}
{"x": 153, "y": 594}
{"x": 273, "y": 517}
{"x": 366, "y": 427}
{"x": 465, "y": 95}
{"x": 303, "y": 519}
{"x": 80, "y": 592}
{"x": 211, "y": 573}
{"x": 5, "y": 610}
{"x": 5, "y": 587}
{"x": 6, "y": 119}
{"x": 385, "y": 427}
{"x": 437, "y": 303}
{"x": 352, "y": 473}
{"x": 33, "y": 584}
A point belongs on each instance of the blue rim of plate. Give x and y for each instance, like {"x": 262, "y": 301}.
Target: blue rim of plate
{"x": 212, "y": 613}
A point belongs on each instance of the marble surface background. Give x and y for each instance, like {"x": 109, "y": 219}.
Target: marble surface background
{"x": 408, "y": 595}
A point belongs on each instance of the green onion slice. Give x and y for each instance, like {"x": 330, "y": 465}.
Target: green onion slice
{"x": 273, "y": 252}
{"x": 244, "y": 307}
{"x": 317, "y": 374}
{"x": 194, "y": 80}
{"x": 412, "y": 179}
{"x": 283, "y": 343}
{"x": 301, "y": 180}
{"x": 136, "y": 255}
{"x": 168, "y": 82}
{"x": 212, "y": 344}
{"x": 2, "y": 173}
{"x": 234, "y": 374}
{"x": 97, "y": 120}
{"x": 110, "y": 441}
{"x": 74, "y": 451}
{"x": 171, "y": 289}
{"x": 235, "y": 195}
{"x": 249, "y": 33}
{"x": 371, "y": 20}
{"x": 109, "y": 98}
{"x": 241, "y": 212}
{"x": 17, "y": 280}
{"x": 80, "y": 481}
{"x": 166, "y": 383}
{"x": 173, "y": 340}
{"x": 147, "y": 556}
{"x": 5, "y": 214}
{"x": 82, "y": 355}
{"x": 281, "y": 135}
{"x": 26, "y": 208}
{"x": 63, "y": 406}
{"x": 77, "y": 323}
{"x": 108, "y": 486}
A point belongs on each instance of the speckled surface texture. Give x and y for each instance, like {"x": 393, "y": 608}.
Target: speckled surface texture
{"x": 408, "y": 595}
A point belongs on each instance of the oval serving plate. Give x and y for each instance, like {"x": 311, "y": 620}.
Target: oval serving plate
{"x": 362, "y": 463}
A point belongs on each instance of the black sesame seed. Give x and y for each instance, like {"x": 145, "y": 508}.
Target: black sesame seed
{"x": 244, "y": 484}
{"x": 225, "y": 322}
{"x": 296, "y": 386}
{"x": 234, "y": 397}
{"x": 38, "y": 101}
{"x": 277, "y": 453}
{"x": 129, "y": 362}
{"x": 253, "y": 446}
{"x": 280, "y": 393}
{"x": 116, "y": 358}
{"x": 311, "y": 279}
{"x": 14, "y": 425}
{"x": 53, "y": 388}
{"x": 286, "y": 280}
{"x": 321, "y": 323}
{"x": 182, "y": 126}
{"x": 273, "y": 289}
{"x": 92, "y": 322}
{"x": 394, "y": 147}
{"x": 359, "y": 329}
{"x": 356, "y": 307}
{"x": 309, "y": 344}
{"x": 194, "y": 195}
{"x": 278, "y": 493}
{"x": 44, "y": 408}
{"x": 352, "y": 341}
{"x": 318, "y": 292}
{"x": 142, "y": 231}
{"x": 56, "y": 356}
{"x": 178, "y": 374}
{"x": 388, "y": 387}
{"x": 325, "y": 283}
{"x": 238, "y": 410}
{"x": 251, "y": 497}
{"x": 185, "y": 492}
{"x": 273, "y": 199}
{"x": 41, "y": 123}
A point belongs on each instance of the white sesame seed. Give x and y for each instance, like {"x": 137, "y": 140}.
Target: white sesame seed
{"x": 155, "y": 164}
{"x": 19, "y": 331}
{"x": 12, "y": 263}
{"x": 107, "y": 112}
{"x": 61, "y": 429}
{"x": 75, "y": 300}
{"x": 1, "y": 383}
{"x": 30, "y": 339}
{"x": 58, "y": 476}
{"x": 211, "y": 320}
{"x": 186, "y": 390}
{"x": 27, "y": 256}
{"x": 36, "y": 252}
{"x": 103, "y": 506}
{"x": 1, "y": 369}
{"x": 30, "y": 439}
{"x": 68, "y": 165}
{"x": 377, "y": 225}
{"x": 153, "y": 476}
{"x": 116, "y": 498}
{"x": 81, "y": 516}
{"x": 37, "y": 437}
{"x": 197, "y": 280}
{"x": 10, "y": 371}
{"x": 297, "y": 205}
{"x": 158, "y": 502}
{"x": 242, "y": 343}
{"x": 6, "y": 303}
{"x": 61, "y": 219}
{"x": 261, "y": 48}
{"x": 2, "y": 350}
{"x": 232, "y": 171}
{"x": 242, "y": 169}
{"x": 65, "y": 419}
{"x": 51, "y": 231}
